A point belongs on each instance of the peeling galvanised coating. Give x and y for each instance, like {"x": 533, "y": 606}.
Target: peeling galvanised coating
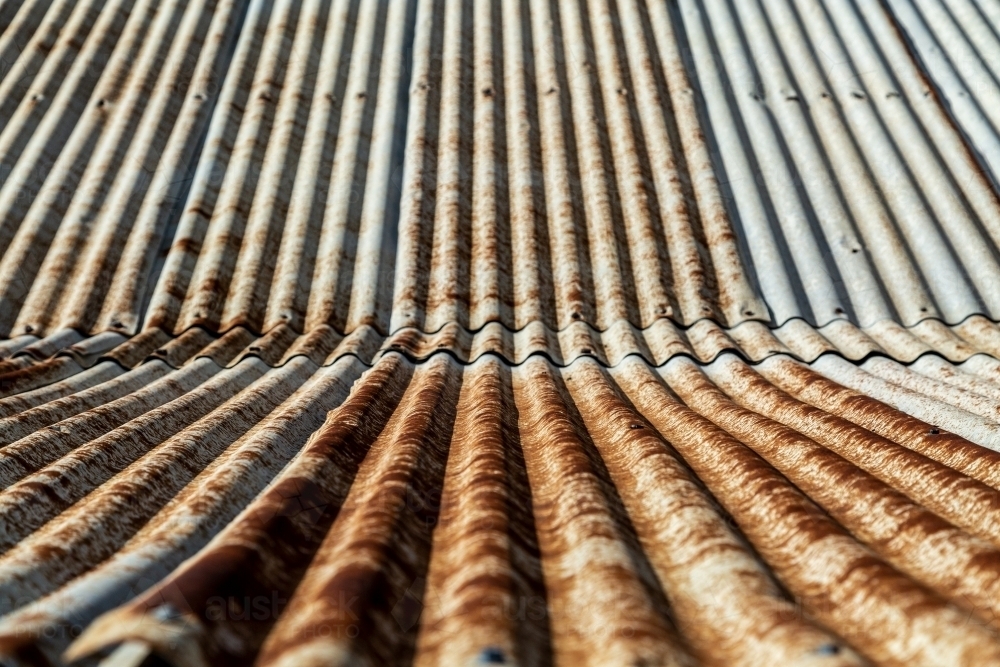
{"x": 432, "y": 332}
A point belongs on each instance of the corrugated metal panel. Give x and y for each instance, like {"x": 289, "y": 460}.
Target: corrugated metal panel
{"x": 325, "y": 194}
{"x": 104, "y": 114}
{"x": 869, "y": 198}
{"x": 442, "y": 332}
{"x": 522, "y": 509}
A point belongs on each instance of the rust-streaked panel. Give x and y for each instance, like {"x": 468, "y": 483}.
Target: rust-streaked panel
{"x": 535, "y": 332}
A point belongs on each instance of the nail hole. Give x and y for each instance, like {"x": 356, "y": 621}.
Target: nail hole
{"x": 838, "y": 311}
{"x": 575, "y": 316}
{"x": 923, "y": 310}
{"x": 117, "y": 325}
{"x": 635, "y": 426}
{"x": 199, "y": 97}
{"x": 488, "y": 92}
{"x": 552, "y": 90}
{"x": 891, "y": 94}
{"x": 586, "y": 350}
{"x": 101, "y": 103}
{"x": 254, "y": 348}
{"x": 162, "y": 351}
{"x": 855, "y": 250}
{"x": 493, "y": 656}
{"x": 362, "y": 96}
{"x": 935, "y": 431}
{"x": 828, "y": 649}
{"x": 825, "y": 95}
{"x": 857, "y": 94}
{"x": 748, "y": 313}
{"x": 29, "y": 329}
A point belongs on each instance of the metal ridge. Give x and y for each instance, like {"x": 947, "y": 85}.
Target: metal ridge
{"x": 704, "y": 342}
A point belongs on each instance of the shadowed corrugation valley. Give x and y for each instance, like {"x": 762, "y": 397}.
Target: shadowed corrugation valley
{"x": 514, "y": 332}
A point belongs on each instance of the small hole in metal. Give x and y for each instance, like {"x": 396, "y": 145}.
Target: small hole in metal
{"x": 493, "y": 656}
{"x": 935, "y": 431}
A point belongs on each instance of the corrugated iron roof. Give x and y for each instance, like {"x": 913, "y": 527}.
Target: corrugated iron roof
{"x": 442, "y": 332}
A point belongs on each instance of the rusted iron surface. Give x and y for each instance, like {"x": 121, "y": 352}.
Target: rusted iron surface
{"x": 719, "y": 514}
{"x": 535, "y": 332}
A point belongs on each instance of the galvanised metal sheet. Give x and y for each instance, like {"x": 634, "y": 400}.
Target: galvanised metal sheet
{"x": 418, "y": 164}
{"x": 440, "y": 332}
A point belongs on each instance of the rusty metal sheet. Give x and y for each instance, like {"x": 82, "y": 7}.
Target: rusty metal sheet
{"x": 572, "y": 472}
{"x": 433, "y": 332}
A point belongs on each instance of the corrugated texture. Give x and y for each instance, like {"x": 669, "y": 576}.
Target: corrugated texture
{"x": 420, "y": 164}
{"x": 443, "y": 513}
{"x": 104, "y": 105}
{"x": 560, "y": 166}
{"x": 535, "y": 332}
